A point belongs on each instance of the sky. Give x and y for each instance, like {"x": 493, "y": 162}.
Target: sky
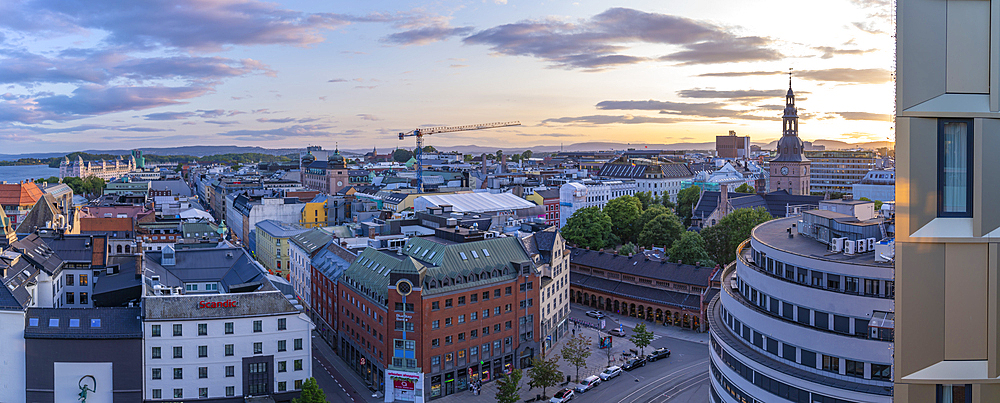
{"x": 112, "y": 74}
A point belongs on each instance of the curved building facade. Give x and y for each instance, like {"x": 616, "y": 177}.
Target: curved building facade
{"x": 798, "y": 320}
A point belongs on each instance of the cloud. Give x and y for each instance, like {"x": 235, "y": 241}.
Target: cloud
{"x": 222, "y": 122}
{"x": 607, "y": 119}
{"x": 884, "y": 117}
{"x": 733, "y": 95}
{"x": 428, "y": 34}
{"x": 840, "y": 74}
{"x": 830, "y": 51}
{"x": 281, "y": 133}
{"x": 458, "y": 66}
{"x": 287, "y": 120}
{"x": 337, "y": 80}
{"x": 600, "y": 41}
{"x": 87, "y": 127}
{"x": 366, "y": 116}
{"x": 169, "y": 115}
{"x": 90, "y": 100}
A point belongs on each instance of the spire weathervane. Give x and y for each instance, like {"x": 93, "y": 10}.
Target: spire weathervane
{"x": 789, "y": 77}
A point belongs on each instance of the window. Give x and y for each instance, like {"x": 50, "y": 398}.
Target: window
{"x": 178, "y": 352}
{"x": 447, "y": 321}
{"x": 156, "y": 373}
{"x": 435, "y": 305}
{"x": 178, "y": 373}
{"x": 486, "y": 331}
{"x": 298, "y": 384}
{"x": 954, "y": 167}
{"x": 83, "y": 279}
{"x": 230, "y": 371}
{"x": 436, "y": 343}
{"x": 202, "y": 393}
{"x": 69, "y": 279}
{"x": 461, "y": 318}
{"x": 486, "y": 295}
{"x": 851, "y": 285}
{"x": 229, "y": 350}
{"x": 258, "y": 326}
{"x": 282, "y": 323}
{"x": 157, "y": 393}
{"x": 70, "y": 298}
{"x": 474, "y": 333}
{"x": 282, "y": 366}
{"x": 258, "y": 348}
{"x": 203, "y": 329}
{"x": 282, "y": 345}
{"x": 156, "y": 352}
{"x": 202, "y": 351}
{"x": 855, "y": 368}
{"x": 831, "y": 364}
{"x": 202, "y": 372}
{"x": 507, "y": 291}
{"x": 436, "y": 324}
{"x": 229, "y": 327}
{"x": 298, "y": 365}
{"x": 461, "y": 300}
{"x": 282, "y": 386}
{"x": 155, "y": 330}
{"x": 507, "y": 326}
{"x": 178, "y": 393}
{"x": 178, "y": 330}
{"x": 486, "y": 313}
{"x": 881, "y": 372}
{"x": 83, "y": 298}
{"x": 508, "y": 308}
{"x": 447, "y": 303}
{"x": 230, "y": 391}
{"x": 871, "y": 287}
{"x": 474, "y": 297}
{"x": 496, "y": 292}
{"x": 447, "y": 339}
{"x": 298, "y": 344}
{"x": 954, "y": 393}
{"x": 472, "y": 316}
{"x": 436, "y": 360}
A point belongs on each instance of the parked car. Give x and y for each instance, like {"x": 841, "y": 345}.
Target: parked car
{"x": 563, "y": 396}
{"x": 617, "y": 332}
{"x": 589, "y": 383}
{"x": 595, "y": 314}
{"x": 657, "y": 354}
{"x": 610, "y": 372}
{"x": 634, "y": 363}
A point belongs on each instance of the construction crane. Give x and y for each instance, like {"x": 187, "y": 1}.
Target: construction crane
{"x": 420, "y": 133}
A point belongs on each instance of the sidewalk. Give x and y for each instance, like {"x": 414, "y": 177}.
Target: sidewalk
{"x": 358, "y": 386}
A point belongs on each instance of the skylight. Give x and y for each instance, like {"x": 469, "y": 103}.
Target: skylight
{"x": 74, "y": 323}
{"x": 462, "y": 254}
{"x": 32, "y": 321}
{"x": 475, "y": 255}
{"x": 425, "y": 252}
{"x": 432, "y": 255}
{"x": 95, "y": 323}
{"x": 486, "y": 253}
{"x": 54, "y": 322}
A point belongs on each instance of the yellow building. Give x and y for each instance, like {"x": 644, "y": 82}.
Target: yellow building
{"x": 314, "y": 213}
{"x": 272, "y": 246}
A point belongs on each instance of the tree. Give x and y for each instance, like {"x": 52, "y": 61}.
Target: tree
{"x": 429, "y": 149}
{"x": 878, "y": 203}
{"x": 526, "y": 154}
{"x": 311, "y": 393}
{"x": 666, "y": 202}
{"x": 641, "y": 337}
{"x": 467, "y": 157}
{"x": 576, "y": 351}
{"x": 401, "y": 155}
{"x": 627, "y": 249}
{"x": 646, "y": 198}
{"x": 650, "y": 213}
{"x": 686, "y": 199}
{"x": 624, "y": 212}
{"x": 544, "y": 373}
{"x": 93, "y": 185}
{"x": 499, "y": 155}
{"x": 663, "y": 230}
{"x": 690, "y": 249}
{"x": 51, "y": 179}
{"x": 722, "y": 239}
{"x": 587, "y": 227}
{"x": 515, "y": 157}
{"x": 744, "y": 188}
{"x": 509, "y": 387}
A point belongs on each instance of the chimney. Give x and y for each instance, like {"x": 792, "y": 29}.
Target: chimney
{"x": 724, "y": 198}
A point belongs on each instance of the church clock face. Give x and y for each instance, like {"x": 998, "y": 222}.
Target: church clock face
{"x": 784, "y": 170}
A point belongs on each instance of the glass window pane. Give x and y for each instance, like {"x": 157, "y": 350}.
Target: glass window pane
{"x": 954, "y": 167}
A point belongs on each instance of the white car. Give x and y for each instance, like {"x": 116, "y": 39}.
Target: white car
{"x": 587, "y": 384}
{"x": 563, "y": 396}
{"x": 610, "y": 372}
{"x": 617, "y": 332}
{"x": 595, "y": 314}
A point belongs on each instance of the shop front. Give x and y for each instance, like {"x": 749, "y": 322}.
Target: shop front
{"x": 404, "y": 386}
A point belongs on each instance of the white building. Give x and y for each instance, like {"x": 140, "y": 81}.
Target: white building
{"x": 302, "y": 248}
{"x": 661, "y": 179}
{"x": 102, "y": 169}
{"x": 577, "y": 195}
{"x": 215, "y": 327}
{"x": 878, "y": 184}
{"x": 12, "y": 358}
{"x": 808, "y": 317}
{"x": 503, "y": 208}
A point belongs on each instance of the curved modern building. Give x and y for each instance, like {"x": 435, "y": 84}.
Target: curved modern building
{"x": 806, "y": 311}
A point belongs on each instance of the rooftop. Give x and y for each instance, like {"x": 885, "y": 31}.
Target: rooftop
{"x": 774, "y": 233}
{"x": 19, "y": 194}
{"x": 83, "y": 323}
{"x": 279, "y": 229}
{"x": 479, "y": 202}
{"x": 639, "y": 265}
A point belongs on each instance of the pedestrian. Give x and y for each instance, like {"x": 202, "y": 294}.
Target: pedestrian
{"x": 574, "y": 332}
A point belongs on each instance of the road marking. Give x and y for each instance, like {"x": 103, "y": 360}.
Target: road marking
{"x": 654, "y": 382}
{"x": 697, "y": 382}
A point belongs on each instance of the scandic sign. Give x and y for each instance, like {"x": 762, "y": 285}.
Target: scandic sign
{"x": 215, "y": 304}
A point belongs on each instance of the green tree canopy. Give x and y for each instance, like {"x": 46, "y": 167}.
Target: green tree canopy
{"x": 467, "y": 157}
{"x": 650, "y": 213}
{"x": 624, "y": 213}
{"x": 51, "y": 179}
{"x": 744, "y": 188}
{"x": 311, "y": 393}
{"x": 686, "y": 199}
{"x": 641, "y": 337}
{"x": 627, "y": 249}
{"x": 402, "y": 155}
{"x": 509, "y": 387}
{"x": 499, "y": 155}
{"x": 526, "y": 154}
{"x": 429, "y": 149}
{"x": 690, "y": 249}
{"x": 544, "y": 373}
{"x": 576, "y": 351}
{"x": 646, "y": 198}
{"x": 588, "y": 227}
{"x": 662, "y": 230}
{"x": 878, "y": 203}
{"x": 722, "y": 239}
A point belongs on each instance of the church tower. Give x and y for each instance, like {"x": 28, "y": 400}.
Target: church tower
{"x": 789, "y": 171}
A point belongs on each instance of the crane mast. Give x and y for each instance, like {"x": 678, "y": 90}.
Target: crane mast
{"x": 420, "y": 133}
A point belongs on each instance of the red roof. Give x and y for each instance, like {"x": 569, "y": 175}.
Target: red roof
{"x": 105, "y": 224}
{"x": 19, "y": 194}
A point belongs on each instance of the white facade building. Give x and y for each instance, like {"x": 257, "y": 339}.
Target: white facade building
{"x": 798, "y": 319}
{"x": 878, "y": 184}
{"x": 12, "y": 359}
